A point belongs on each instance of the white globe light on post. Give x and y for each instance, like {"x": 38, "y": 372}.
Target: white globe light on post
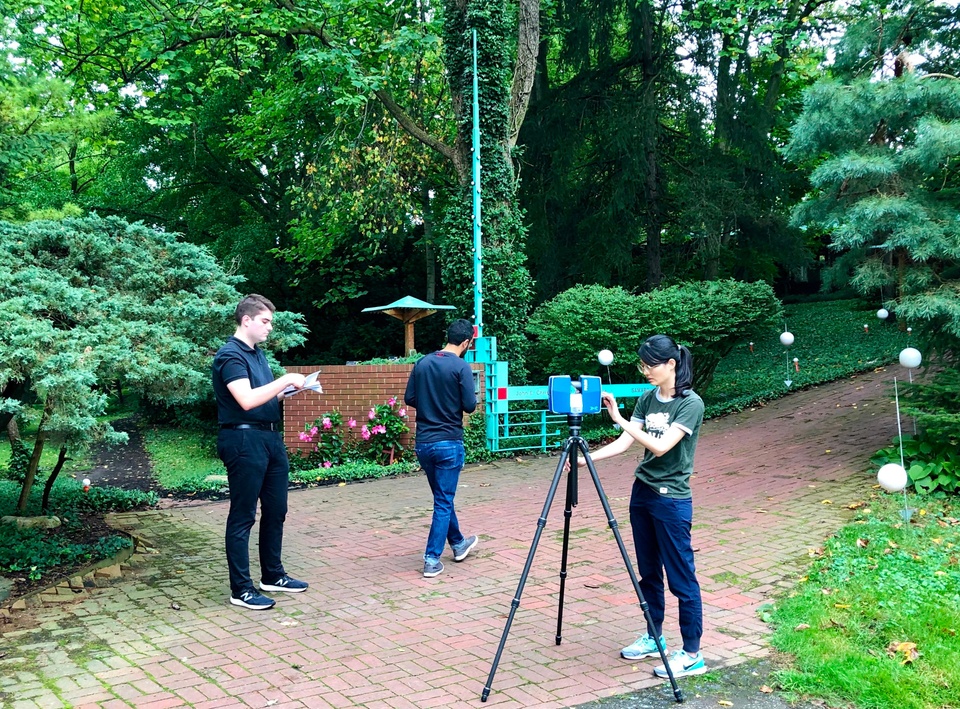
{"x": 910, "y": 357}
{"x": 892, "y": 477}
{"x": 883, "y": 313}
{"x": 786, "y": 339}
{"x": 605, "y": 357}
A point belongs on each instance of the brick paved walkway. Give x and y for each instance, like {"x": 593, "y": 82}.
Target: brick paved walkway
{"x": 371, "y": 632}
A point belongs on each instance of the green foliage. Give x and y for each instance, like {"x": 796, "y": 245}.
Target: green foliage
{"x": 873, "y": 621}
{"x": 183, "y": 458}
{"x": 34, "y": 553}
{"x": 830, "y": 344}
{"x": 475, "y": 439}
{"x": 19, "y": 461}
{"x": 351, "y": 471}
{"x": 68, "y": 500}
{"x": 709, "y": 318}
{"x": 882, "y": 146}
{"x": 94, "y": 302}
{"x": 935, "y": 403}
{"x": 932, "y": 463}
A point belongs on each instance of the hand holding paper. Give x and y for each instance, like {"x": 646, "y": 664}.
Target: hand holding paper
{"x": 311, "y": 383}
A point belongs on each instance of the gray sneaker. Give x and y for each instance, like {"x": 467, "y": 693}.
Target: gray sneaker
{"x": 461, "y": 550}
{"x": 432, "y": 568}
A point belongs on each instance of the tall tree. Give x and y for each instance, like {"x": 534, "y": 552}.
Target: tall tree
{"x": 92, "y": 302}
{"x": 306, "y": 67}
{"x": 883, "y": 132}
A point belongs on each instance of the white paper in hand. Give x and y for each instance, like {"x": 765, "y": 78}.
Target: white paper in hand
{"x": 312, "y": 383}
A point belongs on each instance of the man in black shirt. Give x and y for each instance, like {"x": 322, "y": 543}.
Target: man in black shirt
{"x": 251, "y": 447}
{"x": 440, "y": 388}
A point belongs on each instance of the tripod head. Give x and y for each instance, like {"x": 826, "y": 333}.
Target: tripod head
{"x": 574, "y": 422}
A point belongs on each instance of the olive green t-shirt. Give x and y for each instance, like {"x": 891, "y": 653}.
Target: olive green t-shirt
{"x": 670, "y": 473}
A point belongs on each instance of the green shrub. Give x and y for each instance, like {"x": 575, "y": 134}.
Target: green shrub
{"x": 67, "y": 498}
{"x": 709, "y": 318}
{"x": 932, "y": 463}
{"x": 936, "y": 404}
{"x": 34, "y": 552}
{"x": 348, "y": 472}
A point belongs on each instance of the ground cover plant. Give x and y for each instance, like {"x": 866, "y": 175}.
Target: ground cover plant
{"x": 873, "y": 622}
{"x": 33, "y": 557}
{"x": 830, "y": 343}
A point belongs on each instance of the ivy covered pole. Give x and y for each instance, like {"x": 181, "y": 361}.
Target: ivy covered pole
{"x": 506, "y": 288}
{"x": 477, "y": 231}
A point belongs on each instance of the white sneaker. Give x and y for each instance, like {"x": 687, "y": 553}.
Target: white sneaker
{"x": 645, "y": 646}
{"x": 682, "y": 665}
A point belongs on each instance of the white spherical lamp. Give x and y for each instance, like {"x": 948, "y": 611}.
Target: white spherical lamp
{"x": 605, "y": 357}
{"x": 892, "y": 477}
{"x": 910, "y": 357}
{"x": 883, "y": 313}
{"x": 786, "y": 339}
{"x": 86, "y": 482}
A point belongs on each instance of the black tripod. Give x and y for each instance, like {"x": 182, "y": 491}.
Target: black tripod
{"x": 570, "y": 447}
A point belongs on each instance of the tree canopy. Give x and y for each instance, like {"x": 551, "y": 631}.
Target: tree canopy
{"x": 92, "y": 304}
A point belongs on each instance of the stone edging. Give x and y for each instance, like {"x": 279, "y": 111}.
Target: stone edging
{"x": 82, "y": 582}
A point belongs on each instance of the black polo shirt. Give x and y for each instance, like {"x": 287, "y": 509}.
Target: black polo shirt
{"x": 237, "y": 360}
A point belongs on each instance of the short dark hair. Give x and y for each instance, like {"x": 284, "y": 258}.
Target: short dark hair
{"x": 459, "y": 331}
{"x": 251, "y": 305}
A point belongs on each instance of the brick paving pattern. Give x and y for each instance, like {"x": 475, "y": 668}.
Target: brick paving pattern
{"x": 371, "y": 632}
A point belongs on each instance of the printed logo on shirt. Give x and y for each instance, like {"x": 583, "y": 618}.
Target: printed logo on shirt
{"x": 657, "y": 423}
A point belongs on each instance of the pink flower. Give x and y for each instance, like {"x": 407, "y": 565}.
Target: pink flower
{"x": 313, "y": 431}
{"x": 402, "y": 412}
{"x": 352, "y": 423}
{"x": 365, "y": 433}
{"x": 379, "y": 428}
{"x": 327, "y": 464}
{"x": 371, "y": 414}
{"x": 305, "y": 437}
{"x": 393, "y": 401}
{"x": 327, "y": 423}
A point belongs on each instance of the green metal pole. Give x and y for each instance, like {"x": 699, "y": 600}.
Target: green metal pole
{"x": 477, "y": 252}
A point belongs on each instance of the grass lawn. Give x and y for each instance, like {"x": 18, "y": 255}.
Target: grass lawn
{"x": 874, "y": 622}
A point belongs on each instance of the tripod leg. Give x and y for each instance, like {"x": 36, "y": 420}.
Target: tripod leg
{"x": 582, "y": 445}
{"x": 567, "y": 514}
{"x": 515, "y": 603}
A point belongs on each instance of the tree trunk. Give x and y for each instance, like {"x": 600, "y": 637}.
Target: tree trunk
{"x": 61, "y": 459}
{"x": 650, "y": 125}
{"x": 31, "y": 472}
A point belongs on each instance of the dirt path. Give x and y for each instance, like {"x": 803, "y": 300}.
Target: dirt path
{"x": 124, "y": 466}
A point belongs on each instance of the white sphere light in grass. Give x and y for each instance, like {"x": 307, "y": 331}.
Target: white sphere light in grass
{"x": 883, "y": 313}
{"x": 605, "y": 357}
{"x": 786, "y": 339}
{"x": 910, "y": 357}
{"x": 86, "y": 482}
{"x": 892, "y": 477}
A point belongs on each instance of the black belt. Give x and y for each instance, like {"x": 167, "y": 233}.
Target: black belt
{"x": 258, "y": 426}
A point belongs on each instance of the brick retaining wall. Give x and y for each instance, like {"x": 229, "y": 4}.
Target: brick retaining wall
{"x": 352, "y": 390}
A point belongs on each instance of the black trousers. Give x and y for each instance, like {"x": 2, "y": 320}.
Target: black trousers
{"x": 257, "y": 469}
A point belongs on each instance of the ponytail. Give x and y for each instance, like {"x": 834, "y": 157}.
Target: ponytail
{"x": 659, "y": 349}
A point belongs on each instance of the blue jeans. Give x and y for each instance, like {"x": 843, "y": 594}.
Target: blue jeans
{"x": 661, "y": 536}
{"x": 442, "y": 461}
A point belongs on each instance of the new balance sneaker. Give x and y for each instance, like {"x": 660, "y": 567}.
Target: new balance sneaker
{"x": 645, "y": 646}
{"x": 432, "y": 568}
{"x": 461, "y": 550}
{"x": 285, "y": 583}
{"x": 682, "y": 665}
{"x": 253, "y": 600}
